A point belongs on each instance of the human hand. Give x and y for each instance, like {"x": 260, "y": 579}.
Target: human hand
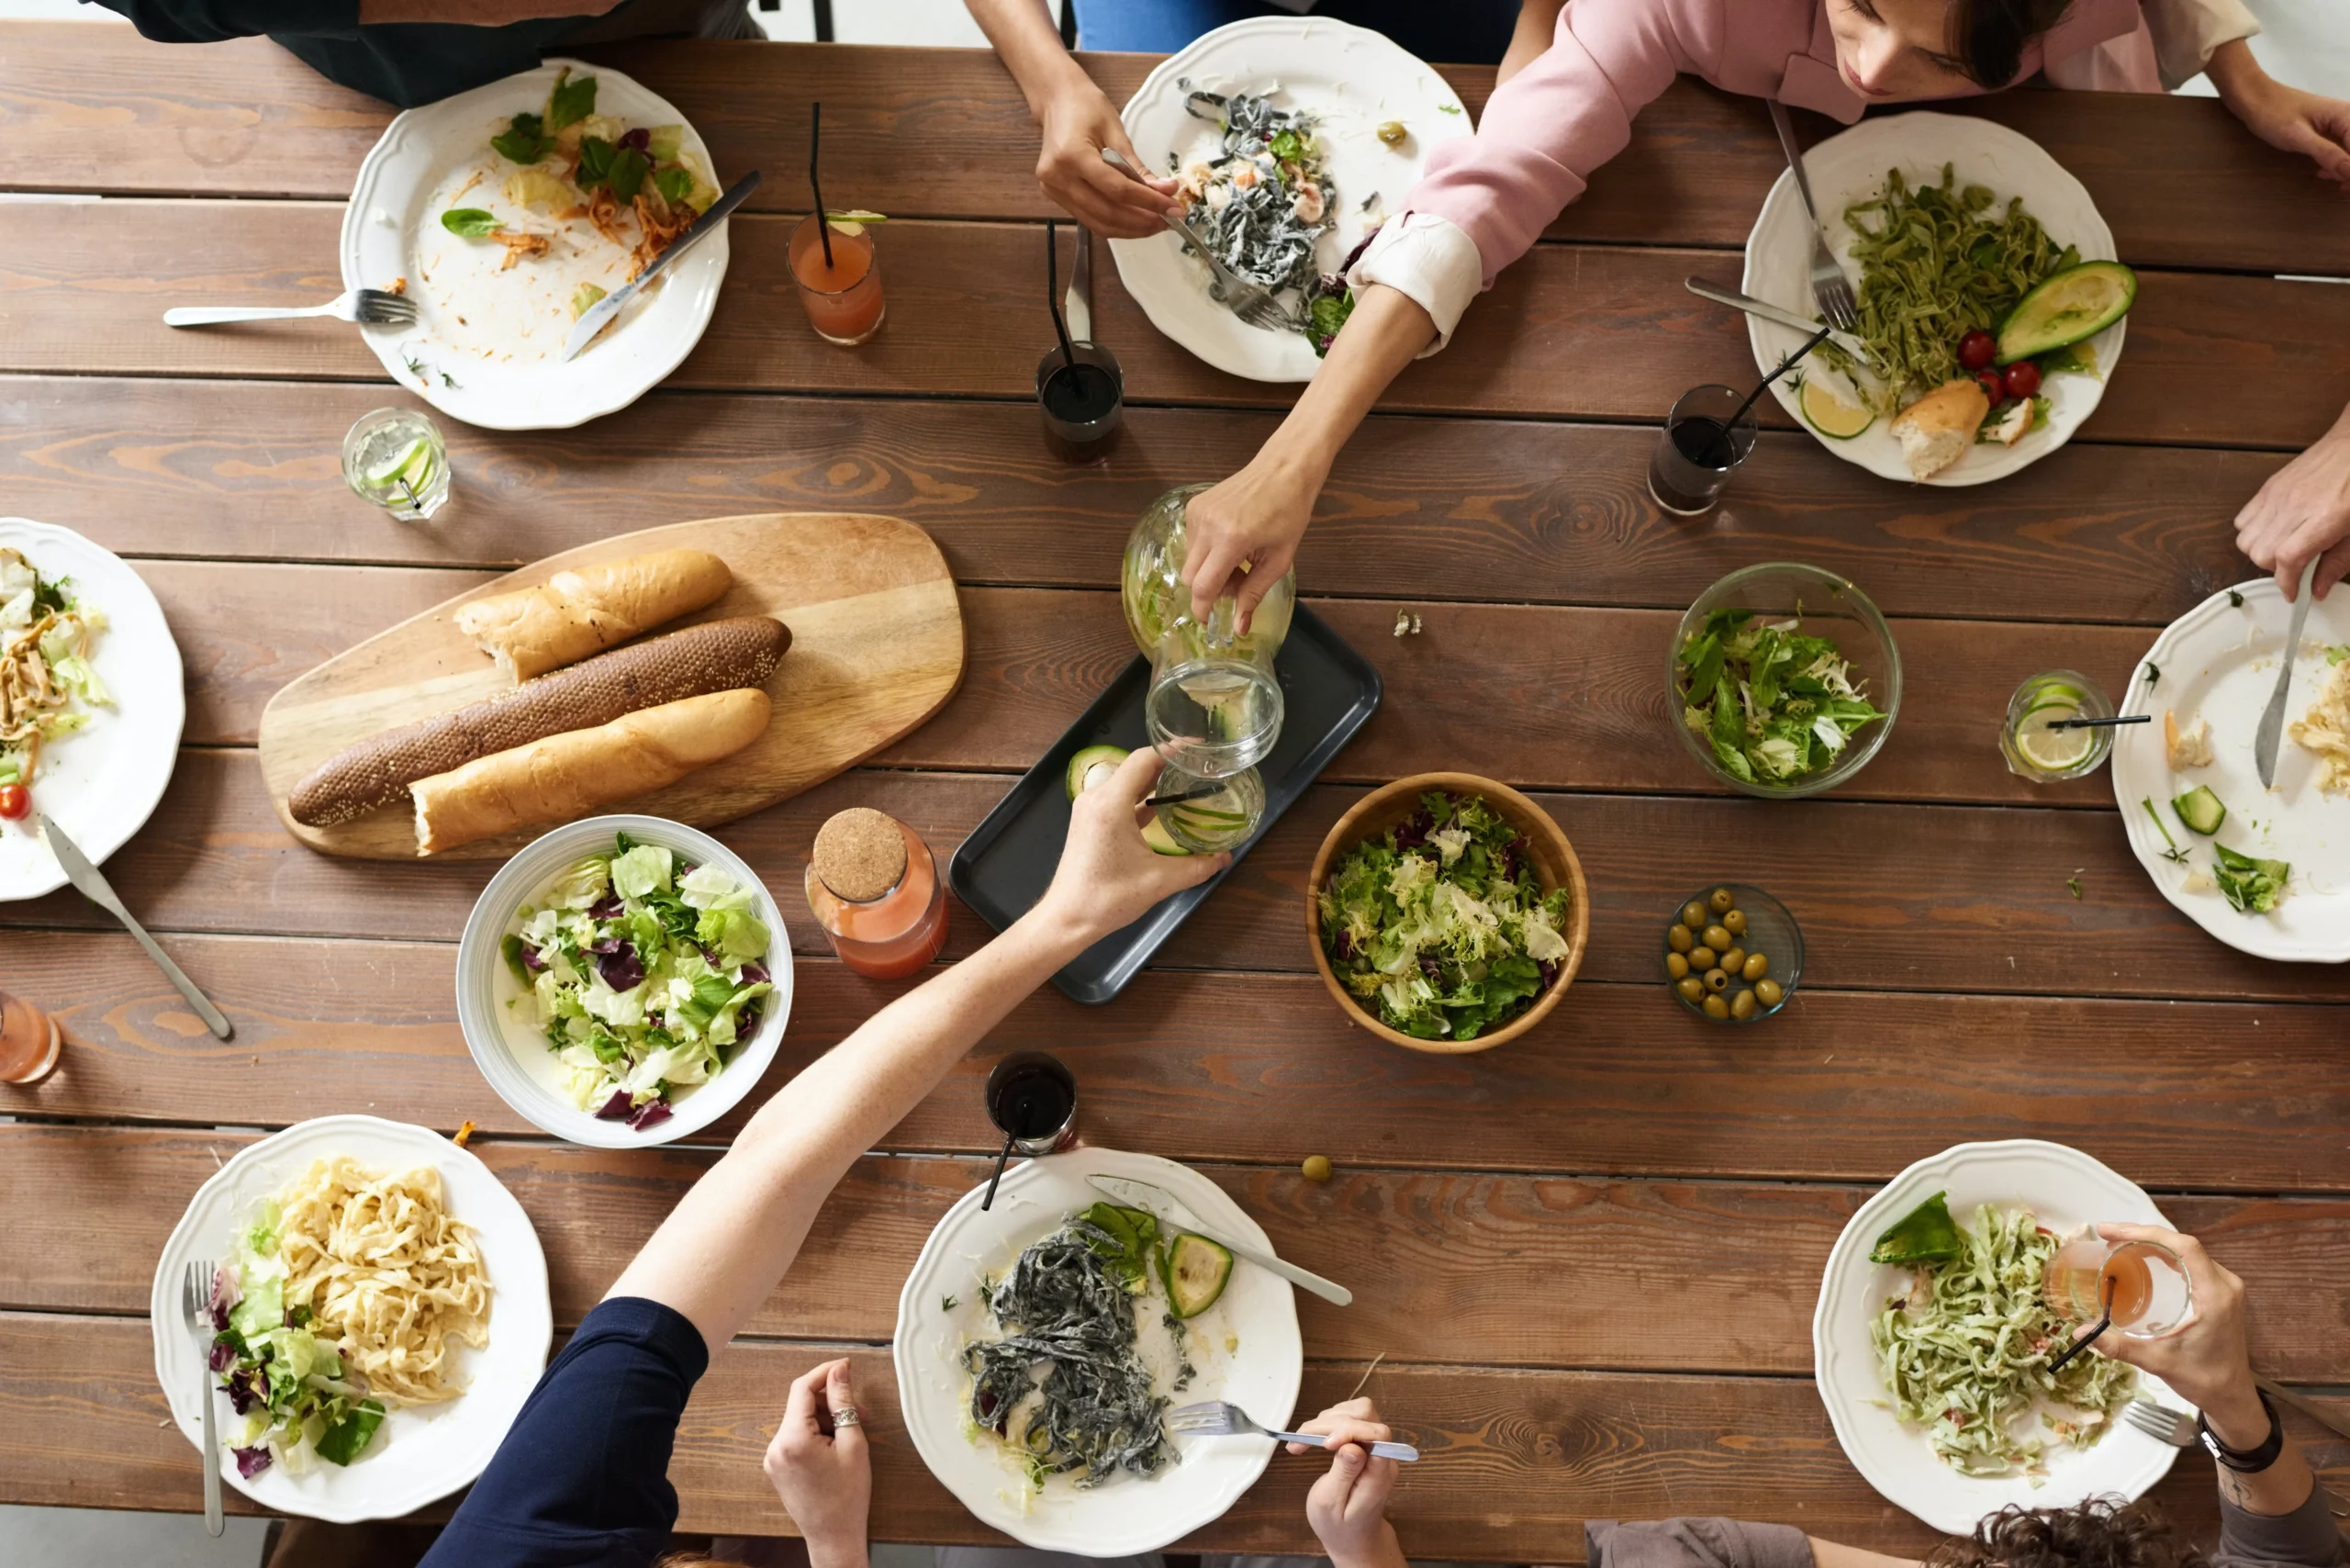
{"x": 825, "y": 1479}
{"x": 1239, "y": 536}
{"x": 2303, "y": 510}
{"x": 1108, "y": 875}
{"x": 2296, "y": 122}
{"x": 2205, "y": 1359}
{"x": 1348, "y": 1507}
{"x": 1079, "y": 122}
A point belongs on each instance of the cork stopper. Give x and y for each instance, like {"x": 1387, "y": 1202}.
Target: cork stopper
{"x": 860, "y": 854}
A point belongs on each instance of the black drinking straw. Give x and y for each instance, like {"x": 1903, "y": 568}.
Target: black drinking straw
{"x": 1053, "y": 299}
{"x": 2077, "y": 1346}
{"x": 823, "y": 224}
{"x": 1784, "y": 366}
{"x": 987, "y": 1202}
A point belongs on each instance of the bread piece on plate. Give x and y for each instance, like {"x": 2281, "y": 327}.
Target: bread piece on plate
{"x": 568, "y": 776}
{"x": 717, "y": 655}
{"x": 2189, "y": 747}
{"x": 1936, "y": 430}
{"x": 576, "y": 613}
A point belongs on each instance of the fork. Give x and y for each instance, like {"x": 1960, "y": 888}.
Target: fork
{"x": 196, "y": 1300}
{"x": 367, "y": 307}
{"x": 1217, "y": 1419}
{"x": 2160, "y": 1422}
{"x": 1829, "y": 286}
{"x": 1253, "y": 302}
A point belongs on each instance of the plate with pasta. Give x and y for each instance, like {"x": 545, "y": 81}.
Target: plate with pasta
{"x": 379, "y": 1315}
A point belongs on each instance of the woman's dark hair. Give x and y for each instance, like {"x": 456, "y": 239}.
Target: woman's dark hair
{"x": 1987, "y": 37}
{"x": 2103, "y": 1532}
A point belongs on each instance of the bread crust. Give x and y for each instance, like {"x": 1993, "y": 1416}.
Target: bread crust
{"x": 1936, "y": 430}
{"x": 584, "y": 610}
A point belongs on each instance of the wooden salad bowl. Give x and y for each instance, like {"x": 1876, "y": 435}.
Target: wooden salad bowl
{"x": 1554, "y": 861}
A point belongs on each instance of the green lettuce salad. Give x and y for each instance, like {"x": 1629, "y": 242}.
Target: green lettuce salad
{"x": 1441, "y": 925}
{"x": 1775, "y": 704}
{"x": 288, "y": 1385}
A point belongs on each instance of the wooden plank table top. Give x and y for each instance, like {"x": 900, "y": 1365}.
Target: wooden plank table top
{"x": 1986, "y": 959}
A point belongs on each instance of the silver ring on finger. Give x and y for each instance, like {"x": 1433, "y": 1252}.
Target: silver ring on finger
{"x": 847, "y": 1416}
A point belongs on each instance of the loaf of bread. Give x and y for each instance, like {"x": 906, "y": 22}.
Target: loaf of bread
{"x": 1935, "y": 431}
{"x": 717, "y": 656}
{"x": 571, "y": 775}
{"x": 576, "y": 613}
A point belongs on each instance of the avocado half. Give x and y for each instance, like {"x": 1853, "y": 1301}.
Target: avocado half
{"x": 2077, "y": 303}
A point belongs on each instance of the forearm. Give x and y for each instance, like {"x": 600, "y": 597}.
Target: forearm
{"x": 1029, "y": 45}
{"x": 2238, "y": 1419}
{"x": 1386, "y": 331}
{"x": 2237, "y": 74}
{"x": 1538, "y": 24}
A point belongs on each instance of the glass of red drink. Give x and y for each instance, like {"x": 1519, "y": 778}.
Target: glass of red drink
{"x": 2146, "y": 1281}
{"x": 842, "y": 293}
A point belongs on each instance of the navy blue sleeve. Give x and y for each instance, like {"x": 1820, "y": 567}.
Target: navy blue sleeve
{"x": 582, "y": 1478}
{"x": 209, "y": 21}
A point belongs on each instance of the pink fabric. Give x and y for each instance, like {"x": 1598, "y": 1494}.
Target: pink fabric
{"x": 1571, "y": 110}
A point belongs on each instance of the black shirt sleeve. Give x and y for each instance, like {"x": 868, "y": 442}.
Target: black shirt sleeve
{"x": 582, "y": 1477}
{"x": 2306, "y": 1538}
{"x": 1694, "y": 1544}
{"x": 209, "y": 21}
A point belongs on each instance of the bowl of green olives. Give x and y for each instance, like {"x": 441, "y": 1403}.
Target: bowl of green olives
{"x": 1732, "y": 953}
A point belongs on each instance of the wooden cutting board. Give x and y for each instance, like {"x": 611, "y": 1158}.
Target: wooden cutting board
{"x": 877, "y": 649}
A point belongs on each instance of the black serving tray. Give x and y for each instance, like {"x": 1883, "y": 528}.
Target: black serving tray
{"x": 1329, "y": 691}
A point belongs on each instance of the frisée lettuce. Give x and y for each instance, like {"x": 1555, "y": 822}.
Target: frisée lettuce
{"x": 289, "y": 1385}
{"x": 644, "y": 974}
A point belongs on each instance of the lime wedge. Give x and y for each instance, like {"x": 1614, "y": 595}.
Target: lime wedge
{"x": 1828, "y": 414}
{"x": 411, "y": 466}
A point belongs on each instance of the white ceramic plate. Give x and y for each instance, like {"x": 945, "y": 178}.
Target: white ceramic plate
{"x": 2067, "y": 1190}
{"x": 101, "y": 783}
{"x": 2219, "y": 662}
{"x": 508, "y": 1048}
{"x": 421, "y": 1454}
{"x": 489, "y": 347}
{"x": 1851, "y": 166}
{"x": 1132, "y": 1514}
{"x": 1351, "y": 77}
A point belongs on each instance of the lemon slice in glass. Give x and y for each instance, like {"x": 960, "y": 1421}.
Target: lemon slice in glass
{"x": 2054, "y": 750}
{"x": 1828, "y": 414}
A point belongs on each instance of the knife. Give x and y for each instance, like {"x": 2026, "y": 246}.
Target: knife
{"x": 1077, "y": 304}
{"x": 1168, "y": 1207}
{"x": 2315, "y": 1412}
{"x": 2272, "y": 722}
{"x": 599, "y": 315}
{"x": 1769, "y": 312}
{"x": 85, "y": 875}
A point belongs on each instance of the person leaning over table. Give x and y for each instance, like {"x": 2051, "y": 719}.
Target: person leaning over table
{"x": 415, "y": 51}
{"x": 1485, "y": 198}
{"x": 581, "y": 1478}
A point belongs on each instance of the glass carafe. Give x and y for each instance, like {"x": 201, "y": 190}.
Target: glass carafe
{"x": 1215, "y": 706}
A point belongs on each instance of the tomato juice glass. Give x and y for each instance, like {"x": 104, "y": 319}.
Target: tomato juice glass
{"x": 842, "y": 296}
{"x": 2143, "y": 1283}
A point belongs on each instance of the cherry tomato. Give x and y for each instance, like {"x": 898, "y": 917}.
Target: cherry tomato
{"x": 1977, "y": 349}
{"x": 14, "y": 801}
{"x": 1993, "y": 387}
{"x": 2023, "y": 378}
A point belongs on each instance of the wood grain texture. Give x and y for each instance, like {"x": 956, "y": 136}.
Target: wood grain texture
{"x": 944, "y": 133}
{"x": 1451, "y": 508}
{"x": 2234, "y": 1097}
{"x": 1457, "y": 1256}
{"x": 877, "y": 649}
{"x": 1570, "y": 331}
{"x": 1512, "y": 1460}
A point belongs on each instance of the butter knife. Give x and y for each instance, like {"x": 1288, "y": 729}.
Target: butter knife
{"x": 85, "y": 875}
{"x": 2315, "y": 1412}
{"x": 2272, "y": 722}
{"x": 1077, "y": 304}
{"x": 1777, "y": 315}
{"x": 599, "y": 315}
{"x": 1169, "y": 1207}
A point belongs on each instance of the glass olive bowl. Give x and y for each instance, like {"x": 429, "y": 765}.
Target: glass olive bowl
{"x": 1771, "y": 931}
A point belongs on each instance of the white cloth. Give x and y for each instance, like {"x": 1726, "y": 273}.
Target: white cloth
{"x": 1431, "y": 260}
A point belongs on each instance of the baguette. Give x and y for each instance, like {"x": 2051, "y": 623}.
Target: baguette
{"x": 717, "y": 656}
{"x": 568, "y": 776}
{"x": 576, "y": 613}
{"x": 1935, "y": 431}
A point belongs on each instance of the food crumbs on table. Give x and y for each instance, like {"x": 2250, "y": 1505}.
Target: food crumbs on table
{"x": 2073, "y": 883}
{"x": 1366, "y": 1375}
{"x": 1316, "y": 1168}
{"x": 464, "y": 1134}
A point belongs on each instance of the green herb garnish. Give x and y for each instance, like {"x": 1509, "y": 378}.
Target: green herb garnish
{"x": 2174, "y": 854}
{"x": 2235, "y": 600}
{"x": 471, "y": 222}
{"x": 2252, "y": 885}
{"x": 569, "y": 102}
{"x": 524, "y": 140}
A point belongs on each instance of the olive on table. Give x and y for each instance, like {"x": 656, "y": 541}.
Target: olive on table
{"x": 1716, "y": 1008}
{"x": 1694, "y": 915}
{"x": 1755, "y": 967}
{"x": 1718, "y": 939}
{"x": 1675, "y": 965}
{"x": 1717, "y": 980}
{"x": 1690, "y": 987}
{"x": 1721, "y": 901}
{"x": 1677, "y": 937}
{"x": 1742, "y": 1007}
{"x": 1316, "y": 1168}
{"x": 1734, "y": 922}
{"x": 1734, "y": 960}
{"x": 1768, "y": 992}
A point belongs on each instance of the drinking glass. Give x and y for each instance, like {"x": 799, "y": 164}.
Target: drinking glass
{"x": 1698, "y": 448}
{"x": 29, "y": 1041}
{"x": 2044, "y": 756}
{"x": 394, "y": 458}
{"x": 843, "y": 299}
{"x": 1215, "y": 706}
{"x": 2150, "y": 1297}
{"x": 1216, "y": 822}
{"x": 1032, "y": 1100}
{"x": 1083, "y": 403}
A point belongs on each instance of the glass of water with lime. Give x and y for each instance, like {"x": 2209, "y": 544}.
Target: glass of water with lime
{"x": 394, "y": 459}
{"x": 2034, "y": 748}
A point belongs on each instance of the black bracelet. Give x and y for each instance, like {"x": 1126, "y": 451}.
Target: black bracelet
{"x": 2246, "y": 1461}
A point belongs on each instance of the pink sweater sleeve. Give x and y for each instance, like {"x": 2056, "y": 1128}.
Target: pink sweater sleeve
{"x": 1563, "y": 117}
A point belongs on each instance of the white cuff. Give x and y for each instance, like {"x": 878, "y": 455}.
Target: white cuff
{"x": 1432, "y": 260}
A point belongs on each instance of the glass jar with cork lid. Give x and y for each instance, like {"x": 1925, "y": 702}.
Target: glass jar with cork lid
{"x": 874, "y": 888}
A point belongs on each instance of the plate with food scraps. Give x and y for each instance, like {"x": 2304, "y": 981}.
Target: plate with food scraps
{"x": 967, "y": 1292}
{"x": 2208, "y": 679}
{"x": 1240, "y": 120}
{"x": 500, "y": 212}
{"x": 2063, "y": 1192}
{"x": 91, "y": 687}
{"x": 420, "y": 1451}
{"x": 1853, "y": 168}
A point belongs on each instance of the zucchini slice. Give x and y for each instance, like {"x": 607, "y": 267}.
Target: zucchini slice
{"x": 2200, "y": 810}
{"x": 1196, "y": 1271}
{"x": 2077, "y": 303}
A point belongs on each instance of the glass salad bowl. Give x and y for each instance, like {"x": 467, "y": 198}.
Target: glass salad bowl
{"x": 1807, "y": 666}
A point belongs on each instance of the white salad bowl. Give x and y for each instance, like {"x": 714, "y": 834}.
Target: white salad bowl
{"x": 505, "y": 1041}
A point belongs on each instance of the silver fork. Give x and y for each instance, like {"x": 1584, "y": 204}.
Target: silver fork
{"x": 2160, "y": 1422}
{"x": 1253, "y": 302}
{"x": 1217, "y": 1419}
{"x": 1829, "y": 286}
{"x": 367, "y": 307}
{"x": 196, "y": 1300}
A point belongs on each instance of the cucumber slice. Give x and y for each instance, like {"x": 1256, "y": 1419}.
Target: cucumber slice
{"x": 2200, "y": 810}
{"x": 1196, "y": 1271}
{"x": 1090, "y": 767}
{"x": 2077, "y": 303}
{"x": 1155, "y": 834}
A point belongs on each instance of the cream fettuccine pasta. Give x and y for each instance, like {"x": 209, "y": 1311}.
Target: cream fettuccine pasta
{"x": 2325, "y": 730}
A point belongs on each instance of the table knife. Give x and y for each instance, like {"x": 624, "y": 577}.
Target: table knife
{"x": 1169, "y": 1207}
{"x": 599, "y": 315}
{"x": 1077, "y": 304}
{"x": 85, "y": 875}
{"x": 1769, "y": 312}
{"x": 2315, "y": 1412}
{"x": 2272, "y": 722}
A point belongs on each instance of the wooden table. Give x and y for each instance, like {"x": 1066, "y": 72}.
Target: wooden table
{"x": 1588, "y": 1258}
